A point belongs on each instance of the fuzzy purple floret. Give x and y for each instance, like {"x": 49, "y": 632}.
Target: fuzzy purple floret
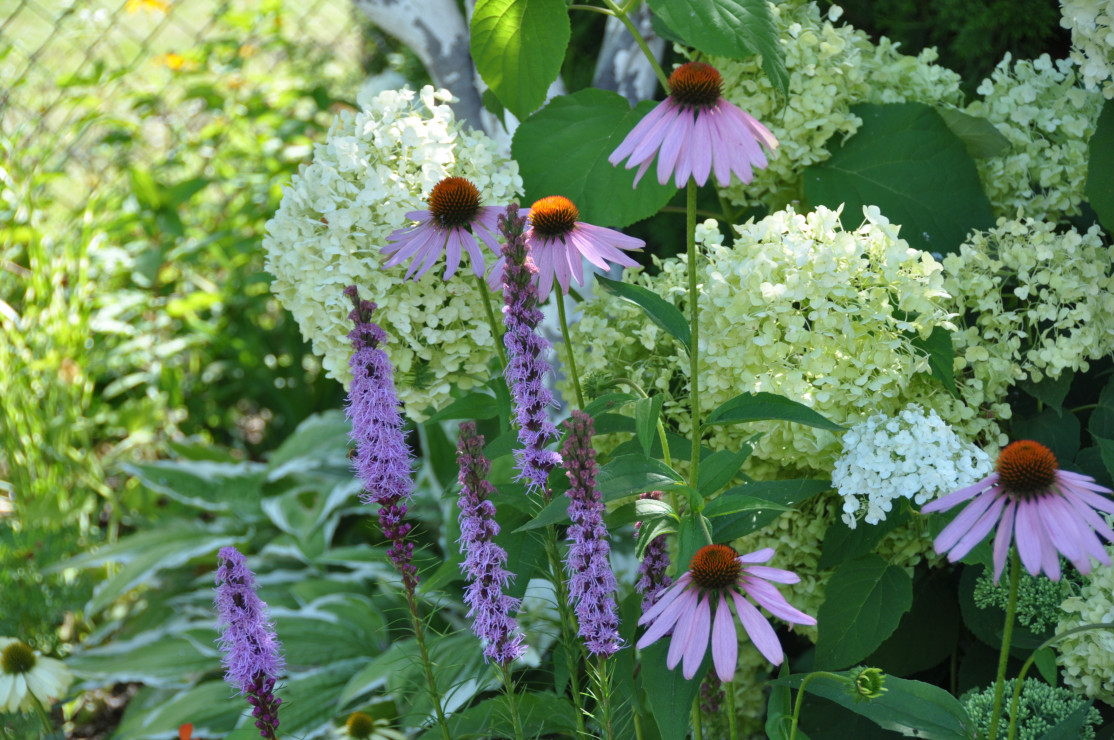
{"x": 592, "y": 583}
{"x": 483, "y": 563}
{"x": 652, "y": 576}
{"x": 383, "y": 460}
{"x": 252, "y": 654}
{"x": 526, "y": 351}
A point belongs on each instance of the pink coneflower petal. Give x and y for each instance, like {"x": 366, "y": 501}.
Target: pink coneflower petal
{"x": 1003, "y": 539}
{"x": 962, "y": 524}
{"x": 955, "y": 498}
{"x": 759, "y": 630}
{"x": 777, "y": 575}
{"x": 642, "y": 131}
{"x": 765, "y": 555}
{"x": 702, "y": 147}
{"x": 725, "y": 644}
{"x": 678, "y": 589}
{"x": 698, "y": 640}
{"x": 772, "y": 601}
{"x": 1078, "y": 480}
{"x": 682, "y": 635}
{"x": 979, "y": 530}
{"x": 669, "y": 618}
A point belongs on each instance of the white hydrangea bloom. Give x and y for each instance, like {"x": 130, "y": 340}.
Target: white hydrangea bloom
{"x": 800, "y": 307}
{"x": 1048, "y": 120}
{"x": 831, "y": 68}
{"x": 1091, "y": 23}
{"x": 1030, "y": 302}
{"x": 913, "y": 455}
{"x": 376, "y": 165}
{"x": 1087, "y": 658}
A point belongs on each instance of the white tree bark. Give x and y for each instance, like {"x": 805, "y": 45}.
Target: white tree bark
{"x": 622, "y": 66}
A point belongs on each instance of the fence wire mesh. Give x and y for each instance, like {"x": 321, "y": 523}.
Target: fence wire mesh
{"x": 69, "y": 70}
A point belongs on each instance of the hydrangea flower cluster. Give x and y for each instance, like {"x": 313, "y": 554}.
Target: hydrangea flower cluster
{"x": 913, "y": 455}
{"x": 799, "y": 307}
{"x": 375, "y": 166}
{"x": 1048, "y": 120}
{"x": 1084, "y": 657}
{"x": 1030, "y": 302}
{"x": 1091, "y": 23}
{"x": 831, "y": 68}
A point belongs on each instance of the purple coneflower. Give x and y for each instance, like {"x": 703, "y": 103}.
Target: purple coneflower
{"x": 252, "y": 657}
{"x": 454, "y": 219}
{"x": 383, "y": 459}
{"x": 695, "y": 131}
{"x": 592, "y": 583}
{"x": 526, "y": 364}
{"x": 715, "y": 573}
{"x": 652, "y": 576}
{"x": 1051, "y": 512}
{"x": 483, "y": 563}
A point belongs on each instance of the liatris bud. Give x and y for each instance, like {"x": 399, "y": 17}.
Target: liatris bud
{"x": 592, "y": 584}
{"x": 383, "y": 459}
{"x": 652, "y": 576}
{"x": 711, "y": 694}
{"x": 483, "y": 559}
{"x": 526, "y": 363}
{"x": 252, "y": 658}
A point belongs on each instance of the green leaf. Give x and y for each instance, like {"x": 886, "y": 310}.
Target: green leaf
{"x": 780, "y": 494}
{"x": 767, "y": 406}
{"x": 779, "y": 710}
{"x": 320, "y": 440}
{"x": 906, "y": 161}
{"x": 690, "y": 537}
{"x": 1100, "y": 168}
{"x": 720, "y": 467}
{"x": 927, "y": 634}
{"x": 159, "y": 714}
{"x": 727, "y": 504}
{"x": 663, "y": 313}
{"x": 148, "y": 191}
{"x": 541, "y": 714}
{"x": 841, "y": 543}
{"x": 1101, "y": 423}
{"x": 669, "y": 694}
{"x": 866, "y": 599}
{"x": 630, "y": 474}
{"x": 1050, "y": 391}
{"x": 911, "y": 708}
{"x": 214, "y": 487}
{"x": 1060, "y": 433}
{"x": 941, "y": 356}
{"x": 646, "y": 412}
{"x": 730, "y": 28}
{"x": 471, "y": 406}
{"x": 981, "y": 138}
{"x": 1106, "y": 450}
{"x": 608, "y": 402}
{"x": 563, "y": 149}
{"x": 173, "y": 656}
{"x": 518, "y": 47}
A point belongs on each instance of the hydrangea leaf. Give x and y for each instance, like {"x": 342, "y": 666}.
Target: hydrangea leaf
{"x": 928, "y": 632}
{"x": 941, "y": 356}
{"x": 910, "y": 708}
{"x": 1059, "y": 432}
{"x": 730, "y": 28}
{"x": 866, "y": 600}
{"x": 981, "y": 138}
{"x": 1100, "y": 169}
{"x": 841, "y": 543}
{"x": 905, "y": 160}
{"x": 660, "y": 311}
{"x": 764, "y": 406}
{"x": 563, "y": 148}
{"x": 518, "y": 47}
{"x": 1050, "y": 391}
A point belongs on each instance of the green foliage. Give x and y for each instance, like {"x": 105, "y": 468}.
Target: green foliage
{"x": 866, "y": 599}
{"x": 1043, "y": 711}
{"x": 1100, "y": 167}
{"x": 1038, "y": 597}
{"x": 905, "y": 160}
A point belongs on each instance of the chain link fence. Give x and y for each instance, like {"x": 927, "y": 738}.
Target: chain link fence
{"x": 68, "y": 68}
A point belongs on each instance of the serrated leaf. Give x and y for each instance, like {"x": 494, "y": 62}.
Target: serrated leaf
{"x": 980, "y": 137}
{"x": 941, "y": 356}
{"x": 866, "y": 599}
{"x": 646, "y": 412}
{"x": 563, "y": 149}
{"x": 518, "y": 47}
{"x": 911, "y": 708}
{"x": 730, "y": 28}
{"x": 663, "y": 313}
{"x": 906, "y": 161}
{"x": 765, "y": 407}
{"x": 1100, "y": 167}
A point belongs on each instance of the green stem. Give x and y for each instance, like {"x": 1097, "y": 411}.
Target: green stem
{"x": 694, "y": 328}
{"x": 496, "y": 327}
{"x": 568, "y": 349}
{"x": 603, "y": 697}
{"x": 419, "y": 637}
{"x": 512, "y": 701}
{"x": 1007, "y": 636}
{"x": 729, "y": 689}
{"x": 568, "y": 634}
{"x": 796, "y": 718}
{"x": 621, "y": 14}
{"x": 697, "y": 720}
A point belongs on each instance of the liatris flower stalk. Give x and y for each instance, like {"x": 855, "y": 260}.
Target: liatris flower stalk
{"x": 652, "y": 576}
{"x": 592, "y": 584}
{"x": 526, "y": 363}
{"x": 483, "y": 563}
{"x": 383, "y": 459}
{"x": 252, "y": 657}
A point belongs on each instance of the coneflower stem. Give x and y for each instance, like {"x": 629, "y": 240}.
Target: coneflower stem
{"x": 694, "y": 328}
{"x": 730, "y": 691}
{"x": 1007, "y": 636}
{"x": 697, "y": 721}
{"x": 496, "y": 326}
{"x": 512, "y": 701}
{"x": 573, "y": 374}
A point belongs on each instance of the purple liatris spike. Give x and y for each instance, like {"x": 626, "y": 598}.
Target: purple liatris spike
{"x": 252, "y": 657}
{"x": 383, "y": 460}
{"x": 489, "y": 607}
{"x": 592, "y": 584}
{"x": 652, "y": 576}
{"x": 526, "y": 363}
